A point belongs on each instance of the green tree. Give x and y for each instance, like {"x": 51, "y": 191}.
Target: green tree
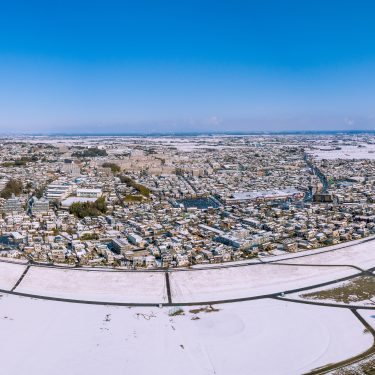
{"x": 114, "y": 167}
{"x": 83, "y": 209}
{"x": 12, "y": 187}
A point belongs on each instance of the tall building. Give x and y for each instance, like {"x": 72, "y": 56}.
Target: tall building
{"x": 71, "y": 168}
{"x": 36, "y": 205}
{"x": 58, "y": 190}
{"x": 12, "y": 205}
{"x": 3, "y": 182}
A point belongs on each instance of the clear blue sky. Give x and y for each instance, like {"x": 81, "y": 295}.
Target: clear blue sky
{"x": 128, "y": 66}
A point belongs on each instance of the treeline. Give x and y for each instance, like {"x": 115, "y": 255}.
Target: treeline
{"x": 114, "y": 167}
{"x": 134, "y": 198}
{"x": 145, "y": 191}
{"x": 83, "y": 209}
{"x": 19, "y": 162}
{"x": 89, "y": 237}
{"x": 90, "y": 153}
{"x": 12, "y": 187}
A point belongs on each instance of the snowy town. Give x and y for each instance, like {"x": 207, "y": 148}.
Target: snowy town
{"x": 149, "y": 202}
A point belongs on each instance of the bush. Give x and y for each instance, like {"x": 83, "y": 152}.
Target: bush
{"x": 176, "y": 311}
{"x": 145, "y": 191}
{"x": 114, "y": 167}
{"x": 39, "y": 192}
{"x": 20, "y": 162}
{"x": 133, "y": 198}
{"x": 89, "y": 236}
{"x": 12, "y": 187}
{"x": 83, "y": 209}
{"x": 90, "y": 153}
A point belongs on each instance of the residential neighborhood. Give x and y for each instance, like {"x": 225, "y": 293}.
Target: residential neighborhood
{"x": 135, "y": 202}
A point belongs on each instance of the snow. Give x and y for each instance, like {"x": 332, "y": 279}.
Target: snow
{"x": 9, "y": 274}
{"x": 344, "y": 245}
{"x": 354, "y": 302}
{"x": 226, "y": 264}
{"x": 360, "y": 255}
{"x": 266, "y": 194}
{"x": 107, "y": 286}
{"x": 259, "y": 337}
{"x": 247, "y": 281}
{"x": 345, "y": 152}
{"x": 191, "y": 285}
{"x": 369, "y": 316}
{"x": 367, "y": 255}
{"x": 196, "y": 285}
{"x": 69, "y": 201}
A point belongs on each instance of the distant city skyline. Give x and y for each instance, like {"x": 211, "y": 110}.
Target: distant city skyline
{"x": 175, "y": 67}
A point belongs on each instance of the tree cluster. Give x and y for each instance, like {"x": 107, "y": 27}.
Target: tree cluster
{"x": 145, "y": 191}
{"x": 90, "y": 153}
{"x": 114, "y": 167}
{"x": 12, "y": 187}
{"x": 89, "y": 236}
{"x": 83, "y": 209}
{"x": 134, "y": 198}
{"x": 20, "y": 162}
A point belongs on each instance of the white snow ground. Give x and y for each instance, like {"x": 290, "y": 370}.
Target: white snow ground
{"x": 186, "y": 286}
{"x": 9, "y": 274}
{"x": 345, "y": 152}
{"x": 107, "y": 286}
{"x": 369, "y": 316}
{"x": 248, "y": 281}
{"x": 360, "y": 255}
{"x": 254, "y": 337}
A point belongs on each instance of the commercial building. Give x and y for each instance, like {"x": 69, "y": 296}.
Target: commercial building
{"x": 120, "y": 245}
{"x": 12, "y": 205}
{"x": 89, "y": 193}
{"x": 58, "y": 191}
{"x": 36, "y": 206}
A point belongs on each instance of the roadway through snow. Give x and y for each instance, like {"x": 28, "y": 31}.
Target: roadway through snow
{"x": 169, "y": 283}
{"x": 354, "y": 360}
{"x": 170, "y": 303}
{"x": 21, "y": 278}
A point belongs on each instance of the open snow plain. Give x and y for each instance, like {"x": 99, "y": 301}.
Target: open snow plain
{"x": 9, "y": 274}
{"x": 104, "y": 286}
{"x": 107, "y": 329}
{"x": 248, "y": 281}
{"x": 254, "y": 337}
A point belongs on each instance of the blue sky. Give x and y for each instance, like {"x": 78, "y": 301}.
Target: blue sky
{"x": 176, "y": 66}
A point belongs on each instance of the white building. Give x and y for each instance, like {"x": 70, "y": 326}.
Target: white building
{"x": 71, "y": 168}
{"x": 89, "y": 193}
{"x": 58, "y": 190}
{"x": 135, "y": 239}
{"x": 38, "y": 205}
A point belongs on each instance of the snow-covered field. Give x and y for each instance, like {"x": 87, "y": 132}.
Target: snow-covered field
{"x": 239, "y": 282}
{"x": 360, "y": 255}
{"x": 206, "y": 284}
{"x": 186, "y": 286}
{"x": 132, "y": 287}
{"x": 369, "y": 316}
{"x": 368, "y": 255}
{"x": 257, "y": 337}
{"x": 345, "y": 152}
{"x": 263, "y": 336}
{"x": 201, "y": 284}
{"x": 344, "y": 293}
{"x": 9, "y": 274}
